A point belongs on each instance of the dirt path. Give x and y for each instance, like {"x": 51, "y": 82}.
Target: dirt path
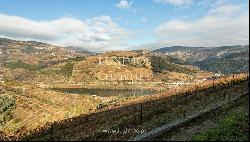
{"x": 206, "y": 122}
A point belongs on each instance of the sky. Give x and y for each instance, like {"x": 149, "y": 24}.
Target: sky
{"x": 104, "y": 25}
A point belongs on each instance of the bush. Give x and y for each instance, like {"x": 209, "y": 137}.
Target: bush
{"x": 232, "y": 128}
{"x": 6, "y": 106}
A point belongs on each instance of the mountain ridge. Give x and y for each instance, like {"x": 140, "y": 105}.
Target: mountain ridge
{"x": 223, "y": 59}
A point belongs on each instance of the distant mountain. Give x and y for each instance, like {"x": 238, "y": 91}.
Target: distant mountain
{"x": 176, "y": 48}
{"x": 225, "y": 59}
{"x": 79, "y": 49}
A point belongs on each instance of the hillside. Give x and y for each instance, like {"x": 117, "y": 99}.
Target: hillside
{"x": 225, "y": 59}
{"x": 32, "y": 61}
{"x": 113, "y": 66}
{"x": 32, "y": 52}
{"x": 22, "y": 59}
{"x": 157, "y": 68}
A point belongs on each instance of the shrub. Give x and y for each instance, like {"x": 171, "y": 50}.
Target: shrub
{"x": 6, "y": 106}
{"x": 232, "y": 128}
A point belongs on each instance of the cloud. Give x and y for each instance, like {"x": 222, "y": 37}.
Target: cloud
{"x": 223, "y": 25}
{"x": 124, "y": 4}
{"x": 96, "y": 34}
{"x": 15, "y": 27}
{"x": 175, "y": 2}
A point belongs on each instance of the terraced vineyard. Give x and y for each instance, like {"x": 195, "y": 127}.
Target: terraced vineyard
{"x": 34, "y": 107}
{"x": 38, "y": 109}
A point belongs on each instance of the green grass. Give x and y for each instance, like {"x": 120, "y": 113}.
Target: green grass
{"x": 235, "y": 127}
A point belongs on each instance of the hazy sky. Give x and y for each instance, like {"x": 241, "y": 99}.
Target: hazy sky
{"x": 101, "y": 25}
